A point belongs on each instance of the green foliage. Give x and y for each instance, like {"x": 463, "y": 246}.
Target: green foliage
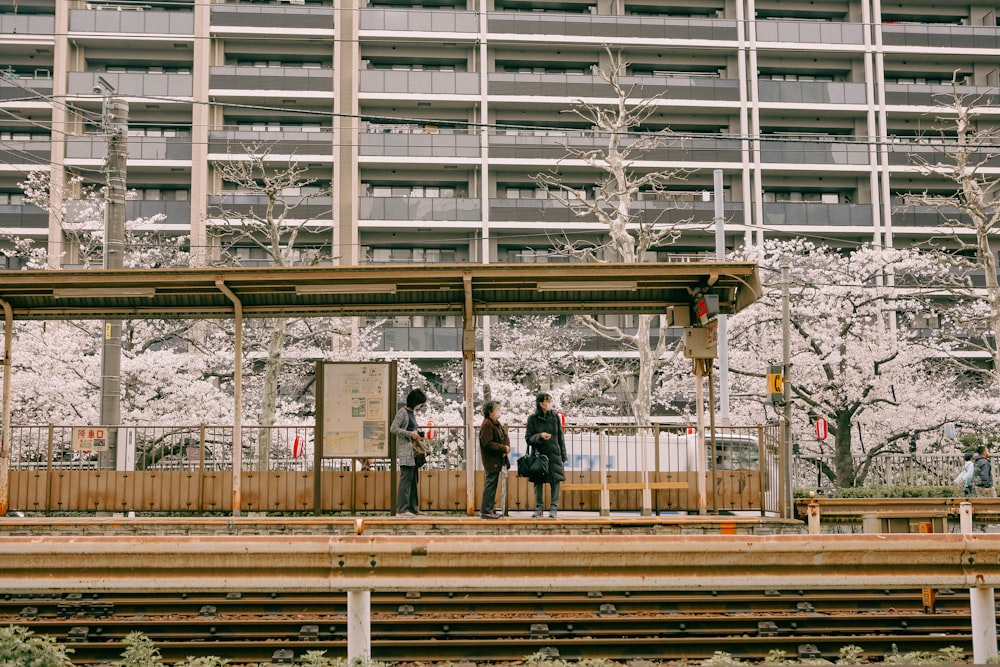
{"x": 776, "y": 656}
{"x": 850, "y": 655}
{"x": 20, "y": 647}
{"x": 944, "y": 656}
{"x": 542, "y": 659}
{"x": 139, "y": 652}
{"x": 209, "y": 661}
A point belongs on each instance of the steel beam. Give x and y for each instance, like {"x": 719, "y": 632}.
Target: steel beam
{"x": 518, "y": 563}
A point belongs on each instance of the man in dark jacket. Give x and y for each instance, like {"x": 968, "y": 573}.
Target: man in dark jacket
{"x": 982, "y": 474}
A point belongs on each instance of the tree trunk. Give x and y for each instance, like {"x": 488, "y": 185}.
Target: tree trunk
{"x": 648, "y": 359}
{"x": 843, "y": 461}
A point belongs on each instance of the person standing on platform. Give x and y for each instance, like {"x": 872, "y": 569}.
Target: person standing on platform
{"x": 545, "y": 434}
{"x": 494, "y": 446}
{"x": 404, "y": 427}
{"x": 982, "y": 474}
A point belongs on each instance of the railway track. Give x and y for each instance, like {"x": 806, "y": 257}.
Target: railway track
{"x": 253, "y": 628}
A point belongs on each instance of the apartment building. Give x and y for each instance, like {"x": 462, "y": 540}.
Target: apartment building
{"x": 428, "y": 122}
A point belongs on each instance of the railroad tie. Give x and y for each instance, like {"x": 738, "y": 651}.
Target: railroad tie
{"x": 767, "y": 629}
{"x": 309, "y": 633}
{"x": 283, "y": 656}
{"x": 809, "y": 652}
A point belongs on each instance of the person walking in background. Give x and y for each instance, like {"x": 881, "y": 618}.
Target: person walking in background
{"x": 545, "y": 434}
{"x": 494, "y": 446}
{"x": 964, "y": 478}
{"x": 404, "y": 427}
{"x": 982, "y": 474}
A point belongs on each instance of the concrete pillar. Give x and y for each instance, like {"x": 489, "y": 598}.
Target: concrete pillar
{"x": 965, "y": 517}
{"x": 814, "y": 528}
{"x": 984, "y": 625}
{"x": 359, "y": 627}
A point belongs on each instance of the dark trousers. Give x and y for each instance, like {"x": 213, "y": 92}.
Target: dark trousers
{"x": 540, "y": 496}
{"x": 406, "y": 499}
{"x": 489, "y": 503}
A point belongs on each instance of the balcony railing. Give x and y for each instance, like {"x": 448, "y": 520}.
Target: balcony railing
{"x": 941, "y": 36}
{"x": 545, "y": 211}
{"x": 22, "y": 216}
{"x": 272, "y": 78}
{"x": 586, "y": 85}
{"x": 810, "y": 32}
{"x": 28, "y": 24}
{"x": 817, "y": 214}
{"x": 420, "y": 144}
{"x": 642, "y": 27}
{"x": 419, "y": 82}
{"x": 273, "y": 17}
{"x": 423, "y": 20}
{"x": 420, "y": 209}
{"x": 928, "y": 216}
{"x": 40, "y": 86}
{"x": 935, "y": 151}
{"x": 319, "y": 208}
{"x": 138, "y": 84}
{"x": 175, "y": 212}
{"x": 92, "y": 147}
{"x": 811, "y": 92}
{"x": 291, "y": 142}
{"x": 25, "y": 152}
{"x": 529, "y": 145}
{"x": 813, "y": 152}
{"x": 142, "y": 22}
{"x": 934, "y": 95}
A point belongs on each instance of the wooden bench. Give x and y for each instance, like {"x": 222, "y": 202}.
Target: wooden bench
{"x": 605, "y": 489}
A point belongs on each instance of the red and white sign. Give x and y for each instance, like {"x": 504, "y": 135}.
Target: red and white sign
{"x": 562, "y": 419}
{"x": 821, "y": 430}
{"x": 298, "y": 447}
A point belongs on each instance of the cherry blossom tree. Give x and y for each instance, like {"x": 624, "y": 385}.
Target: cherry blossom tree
{"x": 855, "y": 360}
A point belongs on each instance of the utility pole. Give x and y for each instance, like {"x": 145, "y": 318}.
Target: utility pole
{"x": 720, "y": 256}
{"x": 786, "y": 381}
{"x": 114, "y": 123}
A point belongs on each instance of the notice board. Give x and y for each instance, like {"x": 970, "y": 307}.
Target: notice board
{"x": 355, "y": 406}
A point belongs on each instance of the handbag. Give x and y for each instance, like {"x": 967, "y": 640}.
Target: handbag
{"x": 421, "y": 447}
{"x": 534, "y": 466}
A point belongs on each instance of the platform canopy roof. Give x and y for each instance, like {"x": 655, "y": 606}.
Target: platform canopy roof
{"x": 373, "y": 290}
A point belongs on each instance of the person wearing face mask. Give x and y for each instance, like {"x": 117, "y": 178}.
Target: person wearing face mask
{"x": 494, "y": 446}
{"x": 404, "y": 427}
{"x": 544, "y": 433}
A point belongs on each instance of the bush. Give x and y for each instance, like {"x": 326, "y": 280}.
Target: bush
{"x": 20, "y": 647}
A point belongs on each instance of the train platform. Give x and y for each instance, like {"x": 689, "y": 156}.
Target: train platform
{"x": 517, "y": 522}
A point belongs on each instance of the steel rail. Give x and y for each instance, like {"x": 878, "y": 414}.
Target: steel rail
{"x": 517, "y": 563}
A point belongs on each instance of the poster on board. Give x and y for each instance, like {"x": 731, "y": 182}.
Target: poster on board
{"x": 355, "y": 408}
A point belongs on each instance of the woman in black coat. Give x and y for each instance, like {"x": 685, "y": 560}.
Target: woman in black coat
{"x": 545, "y": 434}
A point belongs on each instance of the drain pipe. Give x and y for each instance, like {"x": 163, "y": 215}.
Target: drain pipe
{"x": 237, "y": 396}
{"x": 8, "y": 365}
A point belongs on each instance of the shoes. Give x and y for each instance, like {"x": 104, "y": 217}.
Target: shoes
{"x": 553, "y": 514}
{"x": 498, "y": 514}
{"x": 418, "y": 513}
{"x": 405, "y": 515}
{"x": 536, "y": 514}
{"x": 489, "y": 516}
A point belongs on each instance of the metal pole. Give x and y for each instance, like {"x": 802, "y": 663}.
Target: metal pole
{"x": 5, "y": 433}
{"x": 115, "y": 124}
{"x": 720, "y": 255}
{"x": 786, "y": 381}
{"x": 981, "y": 605}
{"x": 700, "y": 454}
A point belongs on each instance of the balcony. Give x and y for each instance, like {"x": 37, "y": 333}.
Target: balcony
{"x": 549, "y": 211}
{"x": 95, "y": 147}
{"x": 641, "y": 27}
{"x": 530, "y": 145}
{"x": 927, "y": 216}
{"x": 403, "y": 82}
{"x": 420, "y": 339}
{"x": 133, "y": 85}
{"x": 803, "y": 151}
{"x": 931, "y": 151}
{"x": 941, "y": 36}
{"x": 294, "y": 79}
{"x": 174, "y": 212}
{"x": 23, "y": 216}
{"x": 905, "y": 94}
{"x": 282, "y": 142}
{"x": 422, "y": 20}
{"x": 132, "y": 21}
{"x": 40, "y": 85}
{"x": 443, "y": 143}
{"x": 817, "y": 214}
{"x": 586, "y": 85}
{"x": 811, "y": 92}
{"x": 34, "y": 25}
{"x": 273, "y": 17}
{"x": 420, "y": 209}
{"x": 32, "y": 152}
{"x": 242, "y": 205}
{"x": 809, "y": 32}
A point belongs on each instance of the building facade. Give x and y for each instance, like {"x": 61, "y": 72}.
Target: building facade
{"x": 429, "y": 122}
